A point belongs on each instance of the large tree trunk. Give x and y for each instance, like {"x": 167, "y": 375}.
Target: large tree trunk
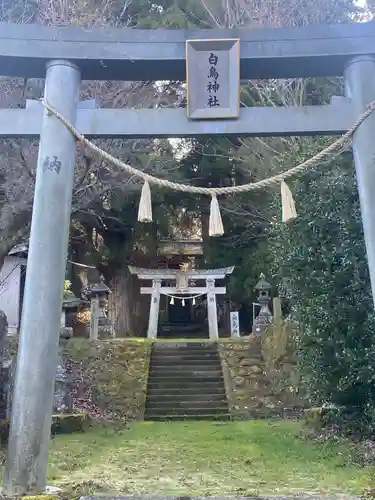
{"x": 128, "y": 309}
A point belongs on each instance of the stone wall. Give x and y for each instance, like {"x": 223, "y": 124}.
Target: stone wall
{"x": 253, "y": 389}
{"x": 279, "y": 353}
{"x": 109, "y": 378}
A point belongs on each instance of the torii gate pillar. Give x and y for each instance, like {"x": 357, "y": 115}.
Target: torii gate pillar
{"x": 213, "y": 328}
{"x": 360, "y": 89}
{"x": 41, "y": 316}
{"x": 153, "y": 320}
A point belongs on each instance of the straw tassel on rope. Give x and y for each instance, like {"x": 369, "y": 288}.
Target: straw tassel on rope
{"x": 215, "y": 227}
{"x": 287, "y": 202}
{"x": 145, "y": 205}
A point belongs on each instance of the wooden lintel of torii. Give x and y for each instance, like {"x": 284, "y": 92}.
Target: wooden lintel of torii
{"x": 182, "y": 288}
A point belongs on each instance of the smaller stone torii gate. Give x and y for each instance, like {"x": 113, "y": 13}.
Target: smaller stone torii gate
{"x": 182, "y": 287}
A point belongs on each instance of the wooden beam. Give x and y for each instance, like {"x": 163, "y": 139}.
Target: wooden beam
{"x": 131, "y": 55}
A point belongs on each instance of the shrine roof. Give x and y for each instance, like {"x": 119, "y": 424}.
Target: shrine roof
{"x": 19, "y": 250}
{"x": 181, "y": 247}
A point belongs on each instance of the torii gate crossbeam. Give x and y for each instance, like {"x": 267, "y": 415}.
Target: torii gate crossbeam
{"x": 335, "y": 118}
{"x": 132, "y": 55}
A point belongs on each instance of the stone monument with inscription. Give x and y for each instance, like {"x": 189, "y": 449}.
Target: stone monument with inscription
{"x": 234, "y": 324}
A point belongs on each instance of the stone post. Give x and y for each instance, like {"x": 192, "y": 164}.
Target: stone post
{"x": 63, "y": 318}
{"x": 153, "y": 321}
{"x": 360, "y": 89}
{"x": 94, "y": 322}
{"x": 30, "y": 428}
{"x": 277, "y": 312}
{"x": 213, "y": 328}
{"x": 62, "y": 395}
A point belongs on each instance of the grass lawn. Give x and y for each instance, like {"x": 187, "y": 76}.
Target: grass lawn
{"x": 204, "y": 458}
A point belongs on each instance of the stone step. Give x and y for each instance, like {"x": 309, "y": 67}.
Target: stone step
{"x": 178, "y": 377}
{"x": 171, "y": 406}
{"x": 213, "y": 369}
{"x": 182, "y": 345}
{"x": 214, "y": 417}
{"x": 194, "y": 381}
{"x": 181, "y": 372}
{"x": 165, "y": 388}
{"x": 209, "y": 363}
{"x": 181, "y": 334}
{"x": 195, "y": 351}
{"x": 185, "y": 396}
{"x": 184, "y": 362}
{"x": 205, "y": 389}
{"x": 166, "y": 361}
{"x": 184, "y": 335}
{"x": 177, "y": 352}
{"x": 189, "y": 411}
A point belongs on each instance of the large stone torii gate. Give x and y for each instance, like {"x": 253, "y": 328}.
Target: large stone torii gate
{"x": 64, "y": 56}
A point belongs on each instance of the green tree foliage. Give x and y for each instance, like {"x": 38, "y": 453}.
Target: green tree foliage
{"x": 321, "y": 263}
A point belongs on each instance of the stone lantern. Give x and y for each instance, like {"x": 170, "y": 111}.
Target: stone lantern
{"x": 99, "y": 294}
{"x": 264, "y": 317}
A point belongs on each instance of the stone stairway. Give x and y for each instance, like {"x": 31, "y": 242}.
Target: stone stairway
{"x": 186, "y": 383}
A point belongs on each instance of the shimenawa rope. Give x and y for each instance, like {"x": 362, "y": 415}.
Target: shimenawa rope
{"x": 216, "y": 225}
{"x": 183, "y": 299}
